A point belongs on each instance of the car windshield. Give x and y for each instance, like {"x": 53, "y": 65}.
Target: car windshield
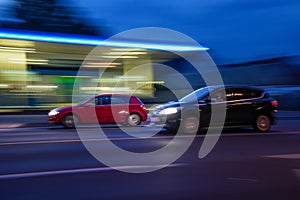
{"x": 199, "y": 94}
{"x": 86, "y": 101}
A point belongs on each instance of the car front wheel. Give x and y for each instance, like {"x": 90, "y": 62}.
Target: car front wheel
{"x": 190, "y": 125}
{"x": 69, "y": 121}
{"x": 262, "y": 123}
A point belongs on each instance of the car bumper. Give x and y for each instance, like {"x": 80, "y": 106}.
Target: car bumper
{"x": 166, "y": 121}
{"x": 274, "y": 117}
{"x": 54, "y": 120}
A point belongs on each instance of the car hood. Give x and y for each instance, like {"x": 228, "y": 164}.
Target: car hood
{"x": 64, "y": 108}
{"x": 168, "y": 105}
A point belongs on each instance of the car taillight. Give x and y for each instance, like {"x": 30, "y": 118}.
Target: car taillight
{"x": 143, "y": 107}
{"x": 274, "y": 103}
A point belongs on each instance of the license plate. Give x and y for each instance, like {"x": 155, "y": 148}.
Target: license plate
{"x": 155, "y": 119}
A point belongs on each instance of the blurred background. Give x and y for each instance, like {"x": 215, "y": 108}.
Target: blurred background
{"x": 44, "y": 42}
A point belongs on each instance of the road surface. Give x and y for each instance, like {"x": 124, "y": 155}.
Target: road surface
{"x": 52, "y": 163}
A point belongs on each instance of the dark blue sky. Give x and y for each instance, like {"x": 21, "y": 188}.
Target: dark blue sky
{"x": 234, "y": 30}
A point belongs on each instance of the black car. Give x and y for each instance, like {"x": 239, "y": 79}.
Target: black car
{"x": 243, "y": 106}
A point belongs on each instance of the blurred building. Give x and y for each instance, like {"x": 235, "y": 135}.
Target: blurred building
{"x": 38, "y": 69}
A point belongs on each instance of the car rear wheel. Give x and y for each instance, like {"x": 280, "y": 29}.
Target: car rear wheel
{"x": 69, "y": 121}
{"x": 134, "y": 119}
{"x": 189, "y": 125}
{"x": 262, "y": 123}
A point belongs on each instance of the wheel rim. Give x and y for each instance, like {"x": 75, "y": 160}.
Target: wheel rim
{"x": 190, "y": 125}
{"x": 134, "y": 120}
{"x": 263, "y": 123}
{"x": 69, "y": 121}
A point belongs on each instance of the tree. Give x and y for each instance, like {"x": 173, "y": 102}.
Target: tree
{"x": 50, "y": 15}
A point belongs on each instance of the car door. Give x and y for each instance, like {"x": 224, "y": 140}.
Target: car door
{"x": 242, "y": 107}
{"x": 204, "y": 112}
{"x": 119, "y": 108}
{"x": 103, "y": 108}
{"x": 217, "y": 99}
{"x": 230, "y": 111}
{"x": 87, "y": 111}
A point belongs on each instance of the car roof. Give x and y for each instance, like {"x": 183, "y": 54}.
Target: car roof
{"x": 244, "y": 86}
{"x": 118, "y": 95}
{"x": 235, "y": 86}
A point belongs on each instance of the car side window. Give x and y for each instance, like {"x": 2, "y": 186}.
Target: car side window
{"x": 217, "y": 97}
{"x": 119, "y": 100}
{"x": 244, "y": 93}
{"x": 229, "y": 94}
{"x": 102, "y": 100}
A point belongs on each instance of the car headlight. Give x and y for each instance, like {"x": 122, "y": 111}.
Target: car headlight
{"x": 168, "y": 111}
{"x": 53, "y": 112}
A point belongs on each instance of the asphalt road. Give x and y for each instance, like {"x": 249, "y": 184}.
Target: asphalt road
{"x": 52, "y": 163}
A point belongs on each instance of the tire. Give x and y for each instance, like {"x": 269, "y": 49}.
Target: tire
{"x": 262, "y": 123}
{"x": 134, "y": 119}
{"x": 189, "y": 125}
{"x": 69, "y": 121}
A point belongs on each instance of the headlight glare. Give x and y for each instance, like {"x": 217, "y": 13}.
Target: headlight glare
{"x": 168, "y": 111}
{"x": 53, "y": 112}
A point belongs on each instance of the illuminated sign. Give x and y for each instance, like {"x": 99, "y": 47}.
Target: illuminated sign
{"x": 93, "y": 41}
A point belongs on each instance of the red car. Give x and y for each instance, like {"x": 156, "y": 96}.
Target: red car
{"x": 106, "y": 108}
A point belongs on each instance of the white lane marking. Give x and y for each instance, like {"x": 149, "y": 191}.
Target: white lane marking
{"x": 10, "y": 125}
{"x": 242, "y": 179}
{"x": 83, "y": 170}
{"x": 294, "y": 156}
